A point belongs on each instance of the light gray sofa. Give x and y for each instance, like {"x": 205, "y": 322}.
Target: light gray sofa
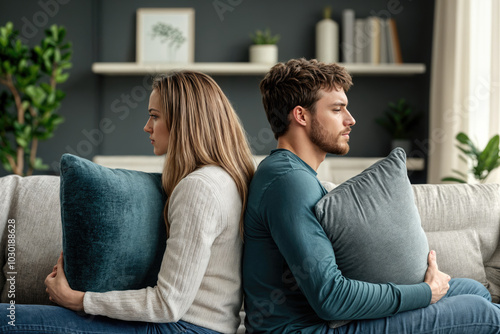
{"x": 462, "y": 223}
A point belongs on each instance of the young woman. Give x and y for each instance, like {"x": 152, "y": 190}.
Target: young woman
{"x": 208, "y": 166}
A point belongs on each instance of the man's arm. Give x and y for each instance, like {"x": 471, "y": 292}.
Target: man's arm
{"x": 288, "y": 209}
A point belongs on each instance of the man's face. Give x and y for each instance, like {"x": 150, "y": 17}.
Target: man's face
{"x": 331, "y": 124}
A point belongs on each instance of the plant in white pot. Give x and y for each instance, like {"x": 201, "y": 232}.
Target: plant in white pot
{"x": 399, "y": 120}
{"x": 264, "y": 48}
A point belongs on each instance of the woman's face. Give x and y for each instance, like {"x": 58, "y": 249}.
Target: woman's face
{"x": 157, "y": 125}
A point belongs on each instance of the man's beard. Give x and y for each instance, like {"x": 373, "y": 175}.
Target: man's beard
{"x": 326, "y": 142}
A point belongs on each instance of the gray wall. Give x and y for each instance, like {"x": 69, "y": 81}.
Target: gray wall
{"x": 104, "y": 31}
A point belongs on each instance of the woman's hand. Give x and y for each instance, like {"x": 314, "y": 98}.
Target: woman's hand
{"x": 59, "y": 290}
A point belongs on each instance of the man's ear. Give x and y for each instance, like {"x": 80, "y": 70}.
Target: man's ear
{"x": 300, "y": 115}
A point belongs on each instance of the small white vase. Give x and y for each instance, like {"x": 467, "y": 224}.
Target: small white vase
{"x": 327, "y": 38}
{"x": 327, "y": 41}
{"x": 264, "y": 53}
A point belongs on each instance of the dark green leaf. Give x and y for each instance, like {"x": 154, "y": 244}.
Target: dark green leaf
{"x": 489, "y": 156}
{"x": 453, "y": 179}
{"x": 62, "y": 33}
{"x": 463, "y": 138}
{"x": 21, "y": 142}
{"x": 456, "y": 171}
{"x": 62, "y": 77}
{"x": 39, "y": 165}
{"x": 7, "y": 167}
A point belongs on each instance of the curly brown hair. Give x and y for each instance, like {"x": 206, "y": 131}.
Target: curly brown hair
{"x": 298, "y": 82}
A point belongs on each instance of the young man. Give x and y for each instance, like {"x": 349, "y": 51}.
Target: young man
{"x": 290, "y": 278}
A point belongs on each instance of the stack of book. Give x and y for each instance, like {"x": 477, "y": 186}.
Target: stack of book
{"x": 372, "y": 40}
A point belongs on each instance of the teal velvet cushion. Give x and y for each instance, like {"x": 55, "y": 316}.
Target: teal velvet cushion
{"x": 113, "y": 229}
{"x": 374, "y": 224}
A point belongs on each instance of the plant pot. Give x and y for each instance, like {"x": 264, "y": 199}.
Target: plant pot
{"x": 405, "y": 144}
{"x": 264, "y": 53}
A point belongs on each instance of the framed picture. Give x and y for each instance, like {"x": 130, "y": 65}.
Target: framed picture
{"x": 165, "y": 35}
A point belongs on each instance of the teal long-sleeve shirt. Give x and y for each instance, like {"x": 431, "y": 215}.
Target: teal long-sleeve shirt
{"x": 290, "y": 278}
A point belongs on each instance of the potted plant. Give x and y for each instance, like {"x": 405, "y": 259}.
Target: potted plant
{"x": 399, "y": 119}
{"x": 481, "y": 163}
{"x": 29, "y": 102}
{"x": 264, "y": 48}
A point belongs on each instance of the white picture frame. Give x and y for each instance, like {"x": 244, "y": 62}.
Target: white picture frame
{"x": 165, "y": 35}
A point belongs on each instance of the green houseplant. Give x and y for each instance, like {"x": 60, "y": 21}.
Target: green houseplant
{"x": 264, "y": 48}
{"x": 398, "y": 120}
{"x": 261, "y": 37}
{"x": 481, "y": 162}
{"x": 28, "y": 104}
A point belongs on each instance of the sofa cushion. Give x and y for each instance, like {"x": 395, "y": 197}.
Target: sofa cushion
{"x": 453, "y": 207}
{"x": 374, "y": 225}
{"x": 113, "y": 230}
{"x": 458, "y": 253}
{"x": 492, "y": 268}
{"x": 31, "y": 204}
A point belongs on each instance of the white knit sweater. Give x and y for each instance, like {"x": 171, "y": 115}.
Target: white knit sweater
{"x": 200, "y": 276}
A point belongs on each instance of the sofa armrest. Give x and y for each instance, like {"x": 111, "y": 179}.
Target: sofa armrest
{"x": 33, "y": 204}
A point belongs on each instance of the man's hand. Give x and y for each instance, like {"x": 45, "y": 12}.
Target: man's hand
{"x": 59, "y": 290}
{"x": 437, "y": 280}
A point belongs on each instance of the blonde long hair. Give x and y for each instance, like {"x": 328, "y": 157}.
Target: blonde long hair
{"x": 204, "y": 130}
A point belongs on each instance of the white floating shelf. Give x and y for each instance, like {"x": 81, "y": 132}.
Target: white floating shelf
{"x": 244, "y": 68}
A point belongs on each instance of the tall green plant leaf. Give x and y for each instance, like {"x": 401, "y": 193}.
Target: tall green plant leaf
{"x": 453, "y": 179}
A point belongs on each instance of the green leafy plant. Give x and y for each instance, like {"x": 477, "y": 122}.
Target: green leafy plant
{"x": 481, "y": 162}
{"x": 264, "y": 37}
{"x": 28, "y": 105}
{"x": 398, "y": 120}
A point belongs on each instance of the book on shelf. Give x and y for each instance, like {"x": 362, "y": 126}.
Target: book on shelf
{"x": 394, "y": 41}
{"x": 372, "y": 40}
{"x": 384, "y": 46}
{"x": 348, "y": 36}
{"x": 373, "y": 29}
{"x": 360, "y": 40}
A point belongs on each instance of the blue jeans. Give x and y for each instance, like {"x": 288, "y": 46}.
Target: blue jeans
{"x": 54, "y": 319}
{"x": 466, "y": 308}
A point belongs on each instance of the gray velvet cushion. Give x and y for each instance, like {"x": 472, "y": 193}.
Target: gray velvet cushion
{"x": 374, "y": 225}
{"x": 113, "y": 230}
{"x": 33, "y": 202}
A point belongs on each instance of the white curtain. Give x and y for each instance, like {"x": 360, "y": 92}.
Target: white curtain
{"x": 465, "y": 78}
